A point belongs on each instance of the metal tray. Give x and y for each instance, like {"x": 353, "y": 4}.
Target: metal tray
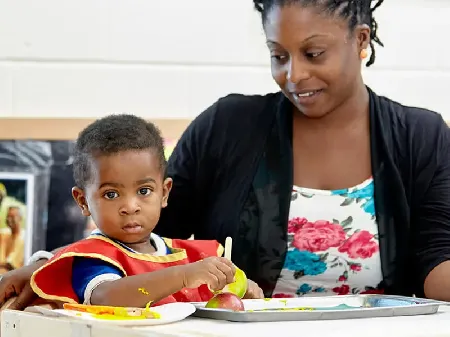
{"x": 322, "y": 308}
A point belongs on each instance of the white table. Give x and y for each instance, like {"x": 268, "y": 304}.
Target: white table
{"x": 21, "y": 324}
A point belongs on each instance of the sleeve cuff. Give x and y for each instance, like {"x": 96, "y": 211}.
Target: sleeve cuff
{"x": 39, "y": 255}
{"x": 95, "y": 282}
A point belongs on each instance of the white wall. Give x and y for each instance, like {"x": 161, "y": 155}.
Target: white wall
{"x": 173, "y": 58}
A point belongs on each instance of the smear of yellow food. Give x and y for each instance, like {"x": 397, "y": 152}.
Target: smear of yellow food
{"x": 298, "y": 309}
{"x": 114, "y": 313}
{"x": 156, "y": 315}
{"x": 284, "y": 309}
{"x": 122, "y": 314}
{"x": 118, "y": 318}
{"x": 143, "y": 291}
{"x": 147, "y": 311}
{"x": 147, "y": 306}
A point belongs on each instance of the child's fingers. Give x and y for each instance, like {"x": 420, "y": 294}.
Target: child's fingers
{"x": 227, "y": 272}
{"x": 227, "y": 262}
{"x": 213, "y": 282}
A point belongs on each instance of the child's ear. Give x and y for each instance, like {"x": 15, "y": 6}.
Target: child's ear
{"x": 80, "y": 199}
{"x": 167, "y": 187}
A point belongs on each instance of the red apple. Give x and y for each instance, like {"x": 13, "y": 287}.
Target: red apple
{"x": 226, "y": 301}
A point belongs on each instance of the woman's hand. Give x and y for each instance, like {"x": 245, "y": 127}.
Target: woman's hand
{"x": 253, "y": 291}
{"x": 16, "y": 283}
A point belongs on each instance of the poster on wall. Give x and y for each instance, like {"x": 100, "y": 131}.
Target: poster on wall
{"x": 16, "y": 219}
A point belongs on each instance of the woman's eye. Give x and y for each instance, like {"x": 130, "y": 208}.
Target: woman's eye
{"x": 144, "y": 191}
{"x": 314, "y": 54}
{"x": 111, "y": 195}
{"x": 278, "y": 57}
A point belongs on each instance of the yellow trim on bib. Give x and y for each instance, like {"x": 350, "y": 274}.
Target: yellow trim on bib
{"x": 46, "y": 296}
{"x": 178, "y": 254}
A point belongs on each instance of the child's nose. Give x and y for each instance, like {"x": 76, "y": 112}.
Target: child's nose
{"x": 131, "y": 207}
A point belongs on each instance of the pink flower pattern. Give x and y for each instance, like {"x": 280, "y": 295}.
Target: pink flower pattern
{"x": 355, "y": 245}
{"x": 360, "y": 245}
{"x": 318, "y": 236}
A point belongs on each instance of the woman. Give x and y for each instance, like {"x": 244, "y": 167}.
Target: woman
{"x": 325, "y": 187}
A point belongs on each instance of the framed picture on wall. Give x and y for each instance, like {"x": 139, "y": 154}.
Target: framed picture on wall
{"x": 16, "y": 219}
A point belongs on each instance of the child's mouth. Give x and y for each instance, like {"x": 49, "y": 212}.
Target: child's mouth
{"x": 132, "y": 228}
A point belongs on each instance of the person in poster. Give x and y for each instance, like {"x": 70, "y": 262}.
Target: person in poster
{"x": 12, "y": 246}
{"x": 12, "y": 231}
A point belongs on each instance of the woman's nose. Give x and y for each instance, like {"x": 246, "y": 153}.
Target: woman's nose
{"x": 297, "y": 71}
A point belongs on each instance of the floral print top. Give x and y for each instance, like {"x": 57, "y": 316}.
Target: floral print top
{"x": 332, "y": 243}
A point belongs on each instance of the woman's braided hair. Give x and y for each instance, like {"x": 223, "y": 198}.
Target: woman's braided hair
{"x": 355, "y": 11}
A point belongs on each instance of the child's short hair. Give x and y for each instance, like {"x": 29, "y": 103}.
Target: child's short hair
{"x": 113, "y": 134}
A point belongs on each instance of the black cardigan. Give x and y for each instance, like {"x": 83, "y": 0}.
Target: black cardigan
{"x": 232, "y": 171}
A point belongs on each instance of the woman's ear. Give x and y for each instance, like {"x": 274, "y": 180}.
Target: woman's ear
{"x": 362, "y": 33}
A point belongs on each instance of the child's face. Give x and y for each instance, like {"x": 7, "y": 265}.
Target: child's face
{"x": 125, "y": 195}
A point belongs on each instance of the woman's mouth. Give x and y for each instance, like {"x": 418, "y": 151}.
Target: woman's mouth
{"x": 307, "y": 97}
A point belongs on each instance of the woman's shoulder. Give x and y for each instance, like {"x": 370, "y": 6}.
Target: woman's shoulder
{"x": 238, "y": 110}
{"x": 410, "y": 118}
{"x": 231, "y": 120}
{"x": 421, "y": 132}
{"x": 244, "y": 102}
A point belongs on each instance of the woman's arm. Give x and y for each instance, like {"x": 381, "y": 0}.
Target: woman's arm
{"x": 190, "y": 168}
{"x": 16, "y": 283}
{"x": 437, "y": 283}
{"x": 432, "y": 238}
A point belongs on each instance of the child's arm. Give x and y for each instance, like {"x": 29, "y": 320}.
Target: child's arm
{"x": 89, "y": 273}
{"x": 124, "y": 291}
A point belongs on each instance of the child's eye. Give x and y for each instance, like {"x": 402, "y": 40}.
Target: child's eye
{"x": 111, "y": 195}
{"x": 144, "y": 191}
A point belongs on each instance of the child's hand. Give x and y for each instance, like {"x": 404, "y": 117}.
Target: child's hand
{"x": 216, "y": 272}
{"x": 253, "y": 291}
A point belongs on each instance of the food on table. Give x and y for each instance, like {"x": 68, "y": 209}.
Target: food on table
{"x": 238, "y": 287}
{"x": 227, "y": 301}
{"x": 338, "y": 307}
{"x": 108, "y": 312}
{"x": 285, "y": 309}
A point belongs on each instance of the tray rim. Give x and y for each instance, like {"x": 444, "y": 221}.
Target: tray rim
{"x": 424, "y": 303}
{"x": 424, "y": 307}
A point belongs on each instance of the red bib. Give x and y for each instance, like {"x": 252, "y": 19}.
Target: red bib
{"x": 53, "y": 281}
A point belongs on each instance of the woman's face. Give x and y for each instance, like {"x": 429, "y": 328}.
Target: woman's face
{"x": 315, "y": 59}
